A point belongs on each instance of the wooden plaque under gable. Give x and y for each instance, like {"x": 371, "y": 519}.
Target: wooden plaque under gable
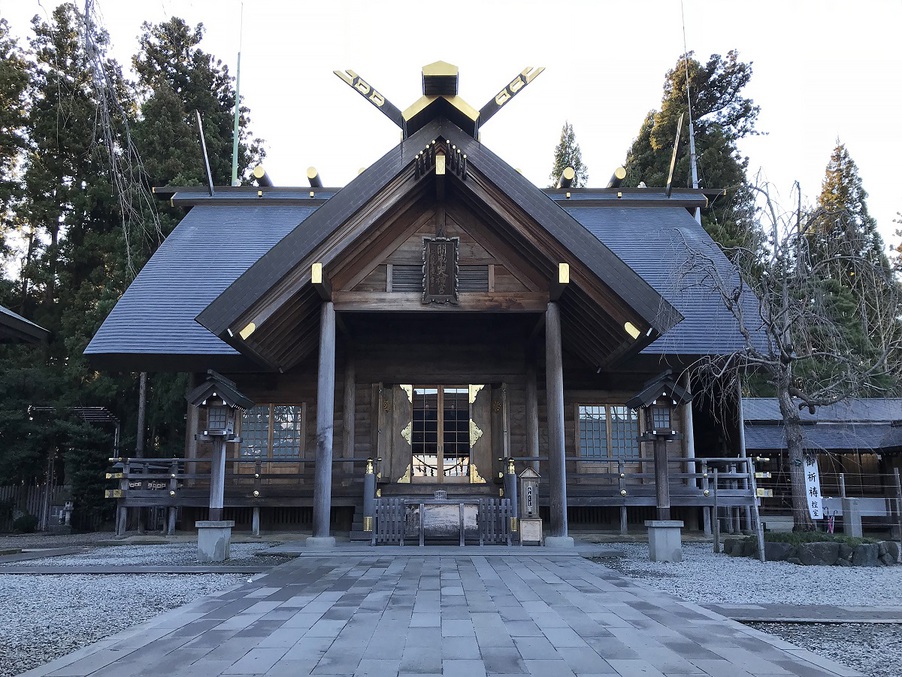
{"x": 440, "y": 269}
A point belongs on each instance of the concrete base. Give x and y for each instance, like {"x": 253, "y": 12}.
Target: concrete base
{"x": 664, "y": 541}
{"x": 320, "y": 542}
{"x": 851, "y": 517}
{"x": 214, "y": 538}
{"x": 558, "y": 542}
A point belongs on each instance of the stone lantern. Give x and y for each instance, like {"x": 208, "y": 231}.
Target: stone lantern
{"x": 658, "y": 401}
{"x": 221, "y": 400}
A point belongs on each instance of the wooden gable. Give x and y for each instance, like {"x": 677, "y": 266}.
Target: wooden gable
{"x": 348, "y": 251}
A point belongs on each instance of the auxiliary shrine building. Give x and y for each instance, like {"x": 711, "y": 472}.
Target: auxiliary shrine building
{"x": 439, "y": 321}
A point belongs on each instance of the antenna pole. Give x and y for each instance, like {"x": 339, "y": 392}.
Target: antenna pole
{"x": 237, "y": 101}
{"x": 203, "y": 147}
{"x": 693, "y": 164}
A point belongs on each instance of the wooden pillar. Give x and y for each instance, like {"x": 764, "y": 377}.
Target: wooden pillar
{"x": 662, "y": 478}
{"x": 325, "y": 412}
{"x": 554, "y": 393}
{"x": 532, "y": 410}
{"x": 217, "y": 479}
{"x": 350, "y": 404}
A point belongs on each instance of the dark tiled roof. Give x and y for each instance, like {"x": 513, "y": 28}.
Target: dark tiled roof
{"x": 862, "y": 424}
{"x": 862, "y": 409}
{"x": 205, "y": 253}
{"x": 654, "y": 241}
{"x": 820, "y": 437}
{"x": 16, "y": 329}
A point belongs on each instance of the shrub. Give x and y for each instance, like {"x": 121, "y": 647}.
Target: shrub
{"x": 25, "y": 524}
{"x": 799, "y": 537}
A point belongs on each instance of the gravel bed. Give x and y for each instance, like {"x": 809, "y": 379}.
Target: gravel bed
{"x": 175, "y": 554}
{"x": 705, "y": 578}
{"x": 45, "y": 617}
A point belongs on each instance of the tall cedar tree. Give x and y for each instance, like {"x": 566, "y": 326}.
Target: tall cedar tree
{"x": 568, "y": 154}
{"x": 74, "y": 262}
{"x": 15, "y": 73}
{"x": 721, "y": 116}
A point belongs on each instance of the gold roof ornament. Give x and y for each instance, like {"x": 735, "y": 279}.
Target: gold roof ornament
{"x": 440, "y": 98}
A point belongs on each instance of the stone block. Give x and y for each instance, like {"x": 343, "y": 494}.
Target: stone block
{"x": 851, "y": 517}
{"x": 818, "y": 553}
{"x": 892, "y": 549}
{"x": 865, "y": 555}
{"x": 775, "y": 551}
{"x": 844, "y": 558}
{"x": 664, "y": 540}
{"x": 214, "y": 538}
{"x": 559, "y": 542}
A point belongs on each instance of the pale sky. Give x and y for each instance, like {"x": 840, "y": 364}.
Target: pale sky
{"x": 823, "y": 71}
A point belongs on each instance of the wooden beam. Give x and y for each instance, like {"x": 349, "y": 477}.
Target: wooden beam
{"x": 559, "y": 284}
{"x": 513, "y": 302}
{"x": 325, "y": 411}
{"x": 320, "y": 282}
{"x": 554, "y": 395}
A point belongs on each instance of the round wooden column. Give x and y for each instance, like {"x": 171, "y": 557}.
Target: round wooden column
{"x": 325, "y": 412}
{"x": 554, "y": 394}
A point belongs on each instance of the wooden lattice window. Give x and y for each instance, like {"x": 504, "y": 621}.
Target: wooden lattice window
{"x": 273, "y": 431}
{"x": 607, "y": 432}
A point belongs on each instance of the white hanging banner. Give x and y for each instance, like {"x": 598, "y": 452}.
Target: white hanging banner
{"x": 813, "y": 487}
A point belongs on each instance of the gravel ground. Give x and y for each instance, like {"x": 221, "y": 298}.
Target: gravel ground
{"x": 705, "y": 578}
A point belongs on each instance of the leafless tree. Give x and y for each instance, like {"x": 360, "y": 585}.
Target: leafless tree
{"x": 819, "y": 319}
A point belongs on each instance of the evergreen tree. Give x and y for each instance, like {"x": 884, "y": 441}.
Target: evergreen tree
{"x": 721, "y": 117}
{"x": 568, "y": 154}
{"x": 175, "y": 79}
{"x": 845, "y": 243}
{"x": 15, "y": 73}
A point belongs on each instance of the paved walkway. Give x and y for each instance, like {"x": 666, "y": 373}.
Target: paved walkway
{"x": 457, "y": 613}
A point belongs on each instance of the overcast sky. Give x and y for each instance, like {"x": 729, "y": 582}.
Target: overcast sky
{"x": 823, "y": 71}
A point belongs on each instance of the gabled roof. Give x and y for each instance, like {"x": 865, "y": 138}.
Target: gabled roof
{"x": 16, "y": 329}
{"x": 276, "y": 290}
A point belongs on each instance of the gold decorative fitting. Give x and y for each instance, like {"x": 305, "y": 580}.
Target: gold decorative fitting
{"x": 568, "y": 194}
{"x": 514, "y": 524}
{"x": 706, "y": 492}
{"x": 249, "y": 329}
{"x": 631, "y": 329}
{"x": 259, "y": 193}
{"x": 367, "y": 523}
{"x": 623, "y": 474}
{"x": 475, "y": 433}
{"x": 312, "y": 194}
{"x": 172, "y": 493}
{"x": 511, "y": 467}
{"x": 475, "y": 477}
{"x": 378, "y": 493}
{"x": 704, "y": 474}
{"x": 623, "y": 492}
{"x": 256, "y": 475}
{"x": 405, "y": 478}
{"x": 370, "y": 466}
{"x": 619, "y": 194}
{"x": 256, "y": 494}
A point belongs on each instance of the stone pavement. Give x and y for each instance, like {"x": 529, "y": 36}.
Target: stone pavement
{"x": 461, "y": 612}
{"x": 807, "y": 613}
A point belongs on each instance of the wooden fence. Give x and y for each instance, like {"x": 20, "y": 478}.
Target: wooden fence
{"x": 32, "y": 500}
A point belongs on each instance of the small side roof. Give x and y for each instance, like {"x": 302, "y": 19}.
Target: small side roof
{"x": 16, "y": 329}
